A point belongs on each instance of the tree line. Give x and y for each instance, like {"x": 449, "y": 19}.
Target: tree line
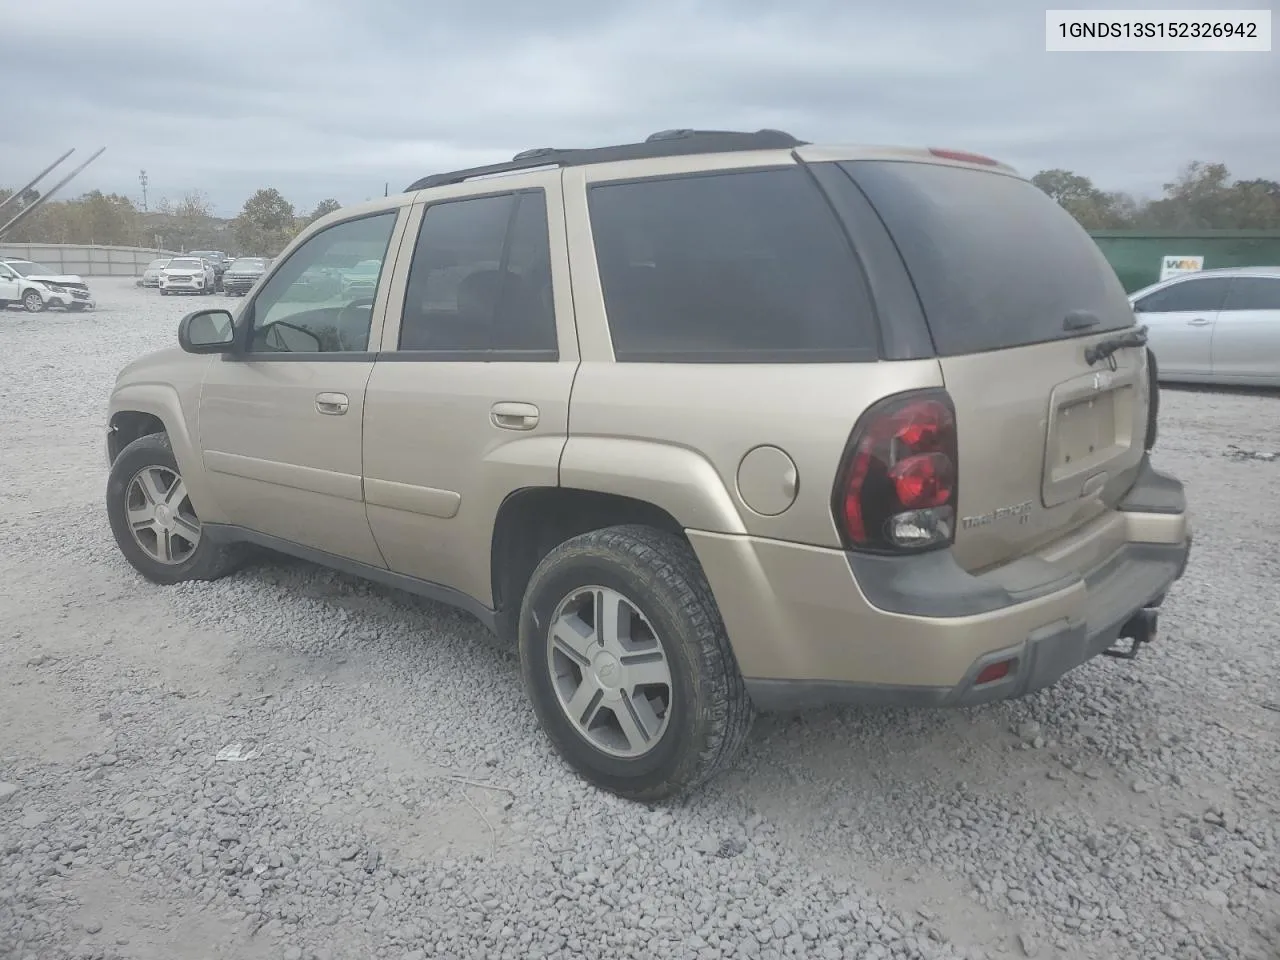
{"x": 265, "y": 224}
{"x": 1204, "y": 196}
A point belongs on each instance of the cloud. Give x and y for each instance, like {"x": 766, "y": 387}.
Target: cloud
{"x": 320, "y": 98}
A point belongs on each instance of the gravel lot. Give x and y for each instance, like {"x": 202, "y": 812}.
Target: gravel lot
{"x": 399, "y": 801}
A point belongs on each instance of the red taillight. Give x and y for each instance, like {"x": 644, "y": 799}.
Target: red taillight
{"x": 994, "y": 671}
{"x": 964, "y": 157}
{"x": 897, "y": 488}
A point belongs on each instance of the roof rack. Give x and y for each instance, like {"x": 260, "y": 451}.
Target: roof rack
{"x": 664, "y": 143}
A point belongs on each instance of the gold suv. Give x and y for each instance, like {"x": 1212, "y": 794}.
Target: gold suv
{"x": 708, "y": 424}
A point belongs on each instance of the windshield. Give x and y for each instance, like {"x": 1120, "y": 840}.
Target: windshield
{"x": 185, "y": 264}
{"x": 370, "y": 267}
{"x": 249, "y": 263}
{"x": 156, "y": 264}
{"x": 206, "y": 254}
{"x": 29, "y": 269}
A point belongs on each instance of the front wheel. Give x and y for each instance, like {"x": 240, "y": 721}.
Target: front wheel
{"x": 32, "y": 302}
{"x": 627, "y": 663}
{"x": 153, "y": 520}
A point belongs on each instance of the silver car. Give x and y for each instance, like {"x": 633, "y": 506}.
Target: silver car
{"x": 1215, "y": 326}
{"x": 151, "y": 276}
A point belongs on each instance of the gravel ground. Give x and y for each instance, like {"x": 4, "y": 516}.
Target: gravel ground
{"x": 398, "y": 801}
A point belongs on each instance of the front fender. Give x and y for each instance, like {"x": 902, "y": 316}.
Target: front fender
{"x": 164, "y": 402}
{"x": 680, "y": 481}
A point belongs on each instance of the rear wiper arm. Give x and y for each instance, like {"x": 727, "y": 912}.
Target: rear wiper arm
{"x": 1105, "y": 348}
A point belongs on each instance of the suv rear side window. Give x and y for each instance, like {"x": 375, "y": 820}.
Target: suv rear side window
{"x": 747, "y": 266}
{"x": 996, "y": 262}
{"x": 480, "y": 280}
{"x": 1185, "y": 296}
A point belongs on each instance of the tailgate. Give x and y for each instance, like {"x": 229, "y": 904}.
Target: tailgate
{"x": 1046, "y": 443}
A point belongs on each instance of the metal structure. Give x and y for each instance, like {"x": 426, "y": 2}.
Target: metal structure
{"x": 17, "y": 194}
{"x": 48, "y": 194}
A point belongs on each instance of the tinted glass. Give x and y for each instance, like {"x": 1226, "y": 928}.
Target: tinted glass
{"x": 481, "y": 277}
{"x": 743, "y": 266}
{"x": 1253, "y": 293}
{"x": 304, "y": 307}
{"x": 996, "y": 262}
{"x": 1204, "y": 295}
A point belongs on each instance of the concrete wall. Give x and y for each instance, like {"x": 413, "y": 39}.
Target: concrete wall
{"x": 86, "y": 260}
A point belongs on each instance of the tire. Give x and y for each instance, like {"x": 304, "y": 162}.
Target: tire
{"x": 32, "y": 302}
{"x": 205, "y": 560}
{"x": 707, "y": 711}
{"x": 164, "y": 293}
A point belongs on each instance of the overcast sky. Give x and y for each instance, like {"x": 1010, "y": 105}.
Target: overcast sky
{"x": 333, "y": 98}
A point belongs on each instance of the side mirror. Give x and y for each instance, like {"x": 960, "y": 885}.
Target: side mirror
{"x": 207, "y": 331}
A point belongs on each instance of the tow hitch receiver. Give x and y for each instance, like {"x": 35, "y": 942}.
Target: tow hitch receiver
{"x": 1140, "y": 629}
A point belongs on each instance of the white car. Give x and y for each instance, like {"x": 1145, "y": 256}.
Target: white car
{"x": 187, "y": 275}
{"x": 38, "y": 287}
{"x": 1214, "y": 326}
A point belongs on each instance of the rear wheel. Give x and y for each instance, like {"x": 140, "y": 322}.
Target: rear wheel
{"x": 628, "y": 665}
{"x": 32, "y": 302}
{"x": 153, "y": 520}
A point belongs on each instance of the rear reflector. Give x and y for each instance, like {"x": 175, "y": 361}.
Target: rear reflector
{"x": 964, "y": 157}
{"x": 994, "y": 671}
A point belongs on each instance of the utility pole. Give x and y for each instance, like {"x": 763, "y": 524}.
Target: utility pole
{"x": 142, "y": 179}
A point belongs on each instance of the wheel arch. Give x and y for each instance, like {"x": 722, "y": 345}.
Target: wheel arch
{"x": 533, "y": 521}
{"x": 141, "y": 409}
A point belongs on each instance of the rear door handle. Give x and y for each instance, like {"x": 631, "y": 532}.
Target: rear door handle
{"x": 509, "y": 415}
{"x": 332, "y": 404}
{"x": 1198, "y": 322}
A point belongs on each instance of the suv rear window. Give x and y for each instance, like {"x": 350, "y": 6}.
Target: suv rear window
{"x": 996, "y": 262}
{"x": 741, "y": 266}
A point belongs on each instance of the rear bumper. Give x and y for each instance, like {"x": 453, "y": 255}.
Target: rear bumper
{"x": 813, "y": 626}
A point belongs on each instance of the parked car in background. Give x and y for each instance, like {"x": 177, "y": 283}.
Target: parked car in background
{"x": 362, "y": 279}
{"x": 217, "y": 259}
{"x": 1214, "y": 326}
{"x": 38, "y": 287}
{"x": 187, "y": 275}
{"x": 151, "y": 276}
{"x": 242, "y": 274}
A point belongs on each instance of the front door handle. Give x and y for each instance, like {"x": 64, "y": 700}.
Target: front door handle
{"x": 1198, "y": 322}
{"x": 332, "y": 404}
{"x": 514, "y": 416}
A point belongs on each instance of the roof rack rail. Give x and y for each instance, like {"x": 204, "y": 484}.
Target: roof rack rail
{"x": 664, "y": 143}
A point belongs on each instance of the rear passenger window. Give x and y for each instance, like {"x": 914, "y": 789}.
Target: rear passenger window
{"x": 1253, "y": 293}
{"x": 480, "y": 280}
{"x": 748, "y": 266}
{"x": 1186, "y": 296}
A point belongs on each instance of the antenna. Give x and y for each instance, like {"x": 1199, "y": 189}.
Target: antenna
{"x": 142, "y": 179}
